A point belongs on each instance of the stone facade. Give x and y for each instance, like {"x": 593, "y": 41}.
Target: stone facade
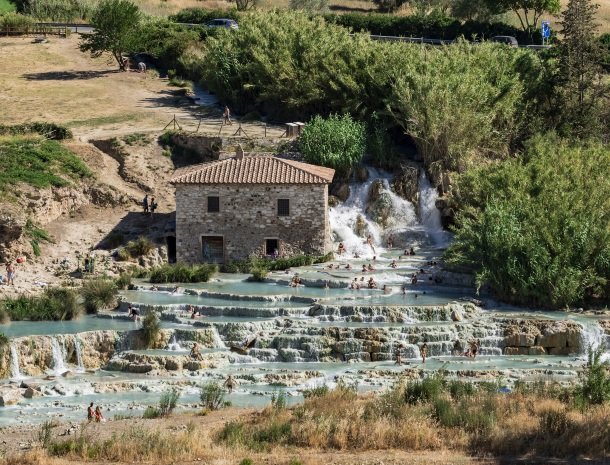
{"x": 248, "y": 217}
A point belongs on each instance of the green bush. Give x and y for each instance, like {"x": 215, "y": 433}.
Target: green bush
{"x": 123, "y": 281}
{"x": 140, "y": 247}
{"x": 98, "y": 294}
{"x": 318, "y": 391}
{"x": 336, "y": 142}
{"x": 151, "y": 329}
{"x": 122, "y": 255}
{"x": 4, "y": 340}
{"x": 594, "y": 387}
{"x": 211, "y": 395}
{"x": 150, "y": 413}
{"x": 56, "y": 304}
{"x": 203, "y": 15}
{"x": 168, "y": 402}
{"x": 182, "y": 273}
{"x": 426, "y": 390}
{"x": 279, "y": 401}
{"x": 16, "y": 21}
{"x": 48, "y": 130}
{"x": 531, "y": 231}
{"x": 259, "y": 274}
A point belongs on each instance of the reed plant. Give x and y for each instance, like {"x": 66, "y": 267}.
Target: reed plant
{"x": 182, "y": 273}
{"x": 98, "y": 294}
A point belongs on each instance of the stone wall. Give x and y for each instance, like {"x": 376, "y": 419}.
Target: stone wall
{"x": 248, "y": 216}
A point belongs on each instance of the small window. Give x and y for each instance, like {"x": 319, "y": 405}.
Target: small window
{"x": 283, "y": 207}
{"x": 213, "y": 204}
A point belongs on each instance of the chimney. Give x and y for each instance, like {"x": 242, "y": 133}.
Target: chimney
{"x": 239, "y": 152}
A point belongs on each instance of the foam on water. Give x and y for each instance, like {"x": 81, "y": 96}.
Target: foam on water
{"x": 174, "y": 345}
{"x": 430, "y": 216}
{"x": 59, "y": 366}
{"x": 80, "y": 368}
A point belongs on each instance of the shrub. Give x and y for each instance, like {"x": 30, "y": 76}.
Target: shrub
{"x": 140, "y": 247}
{"x": 16, "y": 21}
{"x": 336, "y": 142}
{"x": 317, "y": 391}
{"x": 533, "y": 234}
{"x": 428, "y": 389}
{"x": 594, "y": 385}
{"x": 279, "y": 401}
{"x": 45, "y": 433}
{"x": 122, "y": 255}
{"x": 47, "y": 130}
{"x": 123, "y": 281}
{"x": 554, "y": 423}
{"x": 4, "y": 340}
{"x": 54, "y": 304}
{"x": 151, "y": 329}
{"x": 202, "y": 15}
{"x": 4, "y": 316}
{"x": 309, "y": 5}
{"x": 211, "y": 395}
{"x": 182, "y": 273}
{"x": 150, "y": 413}
{"x": 168, "y": 402}
{"x": 259, "y": 273}
{"x": 98, "y": 293}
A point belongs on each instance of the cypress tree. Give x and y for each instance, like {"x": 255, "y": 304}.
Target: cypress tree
{"x": 581, "y": 84}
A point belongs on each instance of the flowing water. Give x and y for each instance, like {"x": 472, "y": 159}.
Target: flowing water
{"x": 305, "y": 337}
{"x": 15, "y": 370}
{"x": 59, "y": 365}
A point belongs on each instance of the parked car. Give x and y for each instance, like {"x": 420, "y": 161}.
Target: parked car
{"x": 223, "y": 22}
{"x": 508, "y": 40}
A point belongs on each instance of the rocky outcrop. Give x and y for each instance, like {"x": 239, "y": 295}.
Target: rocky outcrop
{"x": 406, "y": 182}
{"x": 540, "y": 337}
{"x": 9, "y": 396}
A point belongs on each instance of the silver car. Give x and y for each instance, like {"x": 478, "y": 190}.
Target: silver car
{"x": 223, "y": 22}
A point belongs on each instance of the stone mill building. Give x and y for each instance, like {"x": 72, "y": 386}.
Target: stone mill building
{"x": 251, "y": 203}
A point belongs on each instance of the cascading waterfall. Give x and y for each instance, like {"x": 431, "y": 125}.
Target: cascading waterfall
{"x": 15, "y": 370}
{"x": 174, "y": 345}
{"x": 344, "y": 217}
{"x": 80, "y": 367}
{"x": 59, "y": 365}
{"x": 593, "y": 337}
{"x": 216, "y": 339}
{"x": 429, "y": 214}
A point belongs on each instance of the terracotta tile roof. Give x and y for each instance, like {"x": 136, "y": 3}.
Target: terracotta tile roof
{"x": 253, "y": 169}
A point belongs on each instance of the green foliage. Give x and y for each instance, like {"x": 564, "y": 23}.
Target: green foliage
{"x": 168, "y": 402}
{"x": 211, "y": 395}
{"x": 317, "y": 391}
{"x": 536, "y": 229}
{"x": 140, "y": 247}
{"x": 246, "y": 461}
{"x": 202, "y": 15}
{"x": 115, "y": 26}
{"x": 54, "y": 303}
{"x": 47, "y": 130}
{"x": 259, "y": 273}
{"x": 151, "y": 329}
{"x": 123, "y": 281}
{"x": 594, "y": 385}
{"x": 98, "y": 294}
{"x": 16, "y": 21}
{"x": 473, "y": 417}
{"x": 151, "y": 412}
{"x": 38, "y": 162}
{"x": 166, "y": 42}
{"x": 426, "y": 390}
{"x": 36, "y": 235}
{"x": 435, "y": 26}
{"x": 309, "y": 5}
{"x": 137, "y": 138}
{"x": 6, "y": 6}
{"x": 60, "y": 10}
{"x": 279, "y": 401}
{"x": 4, "y": 340}
{"x": 44, "y": 434}
{"x": 336, "y": 142}
{"x": 582, "y": 85}
{"x": 529, "y": 12}
{"x": 182, "y": 273}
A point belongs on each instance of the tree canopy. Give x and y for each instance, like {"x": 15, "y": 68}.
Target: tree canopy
{"x": 115, "y": 23}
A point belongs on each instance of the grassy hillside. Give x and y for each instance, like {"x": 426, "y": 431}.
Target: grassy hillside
{"x": 37, "y": 162}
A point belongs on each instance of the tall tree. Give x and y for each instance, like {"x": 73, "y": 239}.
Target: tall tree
{"x": 529, "y": 12}
{"x": 115, "y": 23}
{"x": 471, "y": 10}
{"x": 583, "y": 91}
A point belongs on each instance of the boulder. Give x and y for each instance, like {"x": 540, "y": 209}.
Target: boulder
{"x": 172, "y": 365}
{"x": 406, "y": 182}
{"x": 193, "y": 365}
{"x": 340, "y": 190}
{"x": 30, "y": 392}
{"x": 9, "y": 396}
{"x": 362, "y": 174}
{"x": 516, "y": 351}
{"x": 536, "y": 350}
{"x": 456, "y": 315}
